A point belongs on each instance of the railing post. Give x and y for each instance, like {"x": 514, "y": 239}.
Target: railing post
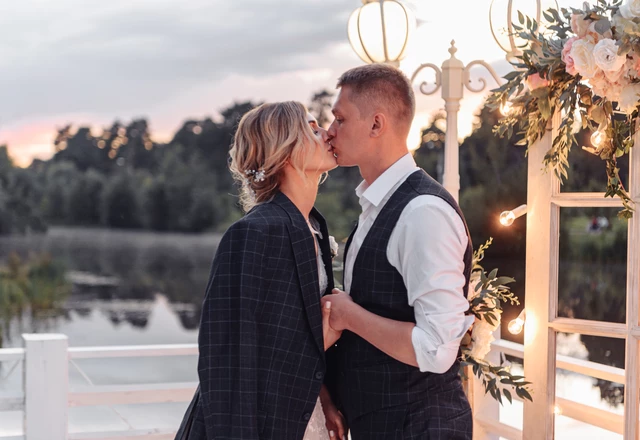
{"x": 46, "y": 385}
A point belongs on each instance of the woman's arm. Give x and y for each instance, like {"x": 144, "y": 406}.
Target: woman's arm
{"x": 334, "y": 420}
{"x": 227, "y": 363}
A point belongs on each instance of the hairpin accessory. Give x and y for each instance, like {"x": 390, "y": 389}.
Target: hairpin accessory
{"x": 258, "y": 176}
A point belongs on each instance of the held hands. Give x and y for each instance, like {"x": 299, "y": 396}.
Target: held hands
{"x": 341, "y": 305}
{"x": 330, "y": 335}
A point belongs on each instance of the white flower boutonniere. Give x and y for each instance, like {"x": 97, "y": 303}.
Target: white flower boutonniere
{"x": 333, "y": 244}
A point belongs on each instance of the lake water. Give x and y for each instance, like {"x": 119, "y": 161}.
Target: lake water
{"x": 155, "y": 285}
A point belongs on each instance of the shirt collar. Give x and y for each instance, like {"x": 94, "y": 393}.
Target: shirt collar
{"x": 380, "y": 187}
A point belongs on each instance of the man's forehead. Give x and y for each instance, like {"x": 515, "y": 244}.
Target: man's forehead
{"x": 340, "y": 102}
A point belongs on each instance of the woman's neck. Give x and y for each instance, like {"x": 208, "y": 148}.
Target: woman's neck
{"x": 302, "y": 192}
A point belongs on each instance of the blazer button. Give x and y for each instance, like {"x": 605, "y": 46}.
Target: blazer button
{"x": 307, "y": 416}
{"x": 319, "y": 375}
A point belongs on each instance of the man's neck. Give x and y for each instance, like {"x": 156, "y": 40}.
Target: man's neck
{"x": 373, "y": 169}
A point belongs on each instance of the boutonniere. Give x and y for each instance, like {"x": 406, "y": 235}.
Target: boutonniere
{"x": 333, "y": 245}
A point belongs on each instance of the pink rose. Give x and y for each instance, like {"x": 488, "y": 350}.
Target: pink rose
{"x": 579, "y": 25}
{"x": 535, "y": 81}
{"x": 599, "y": 84}
{"x": 567, "y": 59}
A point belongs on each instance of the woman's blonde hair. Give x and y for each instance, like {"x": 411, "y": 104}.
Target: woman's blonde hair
{"x": 267, "y": 137}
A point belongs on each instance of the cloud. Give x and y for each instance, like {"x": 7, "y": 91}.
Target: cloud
{"x": 73, "y": 56}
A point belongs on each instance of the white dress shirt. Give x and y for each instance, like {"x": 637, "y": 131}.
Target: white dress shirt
{"x": 427, "y": 247}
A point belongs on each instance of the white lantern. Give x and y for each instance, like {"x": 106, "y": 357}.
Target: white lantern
{"x": 379, "y": 31}
{"x": 502, "y": 15}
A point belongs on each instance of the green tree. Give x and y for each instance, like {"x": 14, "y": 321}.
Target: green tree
{"x": 85, "y": 199}
{"x": 320, "y": 107}
{"x": 120, "y": 207}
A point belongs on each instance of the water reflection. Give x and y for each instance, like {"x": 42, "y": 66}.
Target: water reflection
{"x": 121, "y": 274}
{"x": 146, "y": 288}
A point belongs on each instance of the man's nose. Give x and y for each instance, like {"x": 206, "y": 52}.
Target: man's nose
{"x": 331, "y": 131}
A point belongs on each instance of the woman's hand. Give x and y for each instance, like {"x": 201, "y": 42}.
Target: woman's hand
{"x": 330, "y": 335}
{"x": 334, "y": 420}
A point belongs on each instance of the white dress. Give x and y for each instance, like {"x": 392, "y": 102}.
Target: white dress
{"x": 316, "y": 429}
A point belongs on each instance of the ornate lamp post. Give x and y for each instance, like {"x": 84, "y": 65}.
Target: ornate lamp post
{"x": 379, "y": 32}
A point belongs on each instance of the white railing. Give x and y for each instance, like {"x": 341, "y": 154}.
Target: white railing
{"x": 46, "y": 395}
{"x": 491, "y": 427}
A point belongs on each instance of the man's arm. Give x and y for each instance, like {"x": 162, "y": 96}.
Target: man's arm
{"x": 387, "y": 335}
{"x": 427, "y": 247}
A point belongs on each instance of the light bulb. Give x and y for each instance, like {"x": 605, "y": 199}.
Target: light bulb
{"x": 506, "y": 108}
{"x": 515, "y": 325}
{"x": 598, "y": 138}
{"x": 507, "y": 218}
{"x": 557, "y": 410}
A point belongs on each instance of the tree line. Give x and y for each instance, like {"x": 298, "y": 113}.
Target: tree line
{"x": 121, "y": 178}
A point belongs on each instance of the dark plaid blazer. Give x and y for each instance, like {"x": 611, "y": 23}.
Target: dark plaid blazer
{"x": 261, "y": 361}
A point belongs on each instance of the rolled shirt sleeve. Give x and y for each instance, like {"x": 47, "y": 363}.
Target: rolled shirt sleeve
{"x": 427, "y": 247}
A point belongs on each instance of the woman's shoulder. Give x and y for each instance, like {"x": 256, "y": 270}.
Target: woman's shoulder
{"x": 266, "y": 218}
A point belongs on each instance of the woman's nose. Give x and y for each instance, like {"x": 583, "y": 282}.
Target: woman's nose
{"x": 325, "y": 134}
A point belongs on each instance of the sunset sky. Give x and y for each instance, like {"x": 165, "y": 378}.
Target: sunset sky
{"x": 90, "y": 62}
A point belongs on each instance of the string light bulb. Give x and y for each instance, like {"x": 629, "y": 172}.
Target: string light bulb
{"x": 506, "y": 108}
{"x": 516, "y": 325}
{"x": 508, "y": 217}
{"x": 598, "y": 138}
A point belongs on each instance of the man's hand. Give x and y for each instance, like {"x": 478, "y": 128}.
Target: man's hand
{"x": 329, "y": 335}
{"x": 341, "y": 306}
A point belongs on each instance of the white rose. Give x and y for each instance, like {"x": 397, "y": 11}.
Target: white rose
{"x": 629, "y": 98}
{"x": 333, "y": 245}
{"x": 619, "y": 75}
{"x": 630, "y": 9}
{"x": 474, "y": 279}
{"x": 583, "y": 59}
{"x": 606, "y": 56}
{"x": 482, "y": 335}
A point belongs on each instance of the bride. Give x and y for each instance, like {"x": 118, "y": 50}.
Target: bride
{"x": 261, "y": 363}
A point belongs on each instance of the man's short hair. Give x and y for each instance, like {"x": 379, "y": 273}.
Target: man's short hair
{"x": 376, "y": 86}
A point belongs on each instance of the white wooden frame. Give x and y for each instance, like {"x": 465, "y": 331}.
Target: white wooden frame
{"x": 544, "y": 201}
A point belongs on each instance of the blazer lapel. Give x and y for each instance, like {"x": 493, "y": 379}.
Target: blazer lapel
{"x": 325, "y": 247}
{"x": 303, "y": 246}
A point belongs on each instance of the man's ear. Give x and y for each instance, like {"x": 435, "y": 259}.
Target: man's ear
{"x": 379, "y": 125}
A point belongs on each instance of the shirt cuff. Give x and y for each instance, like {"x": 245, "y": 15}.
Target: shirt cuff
{"x": 433, "y": 357}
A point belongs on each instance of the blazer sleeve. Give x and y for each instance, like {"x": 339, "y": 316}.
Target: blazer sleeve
{"x": 227, "y": 364}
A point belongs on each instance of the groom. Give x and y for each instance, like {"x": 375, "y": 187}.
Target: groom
{"x": 406, "y": 275}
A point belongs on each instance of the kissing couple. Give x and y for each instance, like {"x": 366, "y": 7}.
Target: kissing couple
{"x": 286, "y": 356}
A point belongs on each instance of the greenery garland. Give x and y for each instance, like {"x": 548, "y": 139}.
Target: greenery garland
{"x": 585, "y": 65}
